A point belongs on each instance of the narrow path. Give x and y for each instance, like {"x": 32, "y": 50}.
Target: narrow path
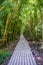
{"x": 22, "y": 54}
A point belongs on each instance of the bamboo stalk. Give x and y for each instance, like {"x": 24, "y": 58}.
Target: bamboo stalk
{"x": 6, "y": 27}
{"x": 2, "y": 8}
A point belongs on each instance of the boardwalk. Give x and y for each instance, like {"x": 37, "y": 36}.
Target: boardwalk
{"x": 22, "y": 54}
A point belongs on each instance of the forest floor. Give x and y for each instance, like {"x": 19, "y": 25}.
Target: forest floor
{"x": 38, "y": 54}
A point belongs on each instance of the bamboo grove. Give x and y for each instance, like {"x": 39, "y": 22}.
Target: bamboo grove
{"x": 21, "y": 17}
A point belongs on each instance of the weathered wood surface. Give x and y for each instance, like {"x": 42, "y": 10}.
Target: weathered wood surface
{"x": 22, "y": 54}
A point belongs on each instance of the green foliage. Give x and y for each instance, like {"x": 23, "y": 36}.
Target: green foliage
{"x": 3, "y": 55}
{"x": 1, "y": 1}
{"x": 24, "y": 15}
{"x": 31, "y": 15}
